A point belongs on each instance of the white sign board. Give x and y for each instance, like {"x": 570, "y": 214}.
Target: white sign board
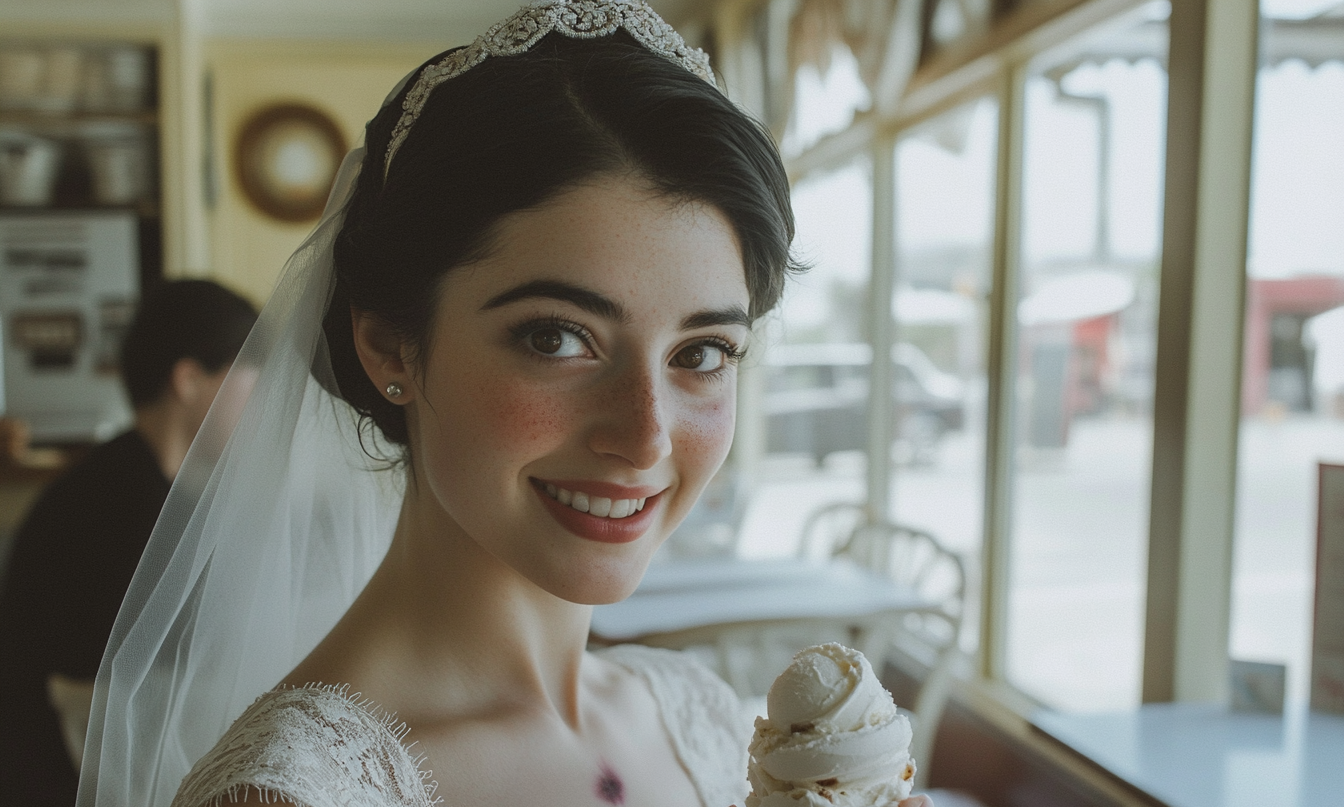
{"x": 68, "y": 287}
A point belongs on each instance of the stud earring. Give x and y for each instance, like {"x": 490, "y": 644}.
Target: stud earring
{"x": 394, "y": 390}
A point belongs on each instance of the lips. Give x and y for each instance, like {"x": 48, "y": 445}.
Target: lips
{"x": 599, "y": 511}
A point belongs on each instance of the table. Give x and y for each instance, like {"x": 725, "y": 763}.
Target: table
{"x": 1203, "y": 755}
{"x": 682, "y": 601}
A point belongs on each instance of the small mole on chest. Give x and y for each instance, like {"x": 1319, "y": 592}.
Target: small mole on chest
{"x": 609, "y": 787}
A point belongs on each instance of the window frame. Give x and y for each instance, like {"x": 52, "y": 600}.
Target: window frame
{"x": 1212, "y": 63}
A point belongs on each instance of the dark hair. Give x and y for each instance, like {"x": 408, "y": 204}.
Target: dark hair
{"x": 181, "y": 319}
{"x": 512, "y": 133}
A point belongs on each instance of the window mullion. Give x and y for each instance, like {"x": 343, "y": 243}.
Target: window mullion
{"x": 1001, "y": 400}
{"x": 1198, "y": 365}
{"x": 882, "y": 328}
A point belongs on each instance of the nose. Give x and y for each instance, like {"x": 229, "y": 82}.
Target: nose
{"x": 633, "y": 418}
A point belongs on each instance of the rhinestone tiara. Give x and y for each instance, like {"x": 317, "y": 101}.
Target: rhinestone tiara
{"x": 579, "y": 19}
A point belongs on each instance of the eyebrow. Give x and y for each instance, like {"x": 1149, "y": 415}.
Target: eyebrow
{"x": 588, "y": 300}
{"x": 732, "y": 315}
{"x": 607, "y": 308}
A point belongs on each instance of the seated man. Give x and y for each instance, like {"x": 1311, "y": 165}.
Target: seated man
{"x": 77, "y": 548}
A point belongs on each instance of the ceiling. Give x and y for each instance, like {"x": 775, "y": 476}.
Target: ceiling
{"x": 445, "y": 21}
{"x": 455, "y": 20}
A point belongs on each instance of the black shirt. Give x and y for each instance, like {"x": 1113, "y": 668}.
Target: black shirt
{"x": 72, "y": 562}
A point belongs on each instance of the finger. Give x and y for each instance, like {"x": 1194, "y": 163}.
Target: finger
{"x": 917, "y": 801}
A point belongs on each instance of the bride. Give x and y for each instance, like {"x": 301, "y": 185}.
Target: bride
{"x": 532, "y": 287}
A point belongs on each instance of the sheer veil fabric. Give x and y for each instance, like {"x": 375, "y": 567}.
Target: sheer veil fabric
{"x": 274, "y": 524}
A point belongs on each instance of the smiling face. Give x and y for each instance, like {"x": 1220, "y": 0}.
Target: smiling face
{"x": 587, "y": 363}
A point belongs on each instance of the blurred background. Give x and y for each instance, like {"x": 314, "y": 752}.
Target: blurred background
{"x": 1076, "y": 304}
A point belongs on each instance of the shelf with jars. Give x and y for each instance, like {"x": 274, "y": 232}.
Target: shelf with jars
{"x": 78, "y": 125}
{"x": 81, "y": 229}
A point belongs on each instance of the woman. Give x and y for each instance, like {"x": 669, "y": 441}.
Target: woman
{"x": 535, "y": 296}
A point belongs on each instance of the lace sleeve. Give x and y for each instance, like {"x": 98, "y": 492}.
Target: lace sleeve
{"x": 702, "y": 715}
{"x": 315, "y": 747}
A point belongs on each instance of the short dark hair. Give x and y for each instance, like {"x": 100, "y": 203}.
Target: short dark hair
{"x": 516, "y": 131}
{"x": 181, "y": 319}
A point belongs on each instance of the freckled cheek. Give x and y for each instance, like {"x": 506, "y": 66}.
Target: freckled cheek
{"x": 524, "y": 415}
{"x": 706, "y": 434}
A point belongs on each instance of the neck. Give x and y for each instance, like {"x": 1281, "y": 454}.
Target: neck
{"x": 164, "y": 427}
{"x": 470, "y": 632}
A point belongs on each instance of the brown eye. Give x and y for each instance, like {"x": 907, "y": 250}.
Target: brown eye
{"x": 556, "y": 342}
{"x": 703, "y": 358}
{"x": 690, "y": 358}
{"x": 548, "y": 341}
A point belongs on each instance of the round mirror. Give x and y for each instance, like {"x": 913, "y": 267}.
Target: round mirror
{"x": 286, "y": 158}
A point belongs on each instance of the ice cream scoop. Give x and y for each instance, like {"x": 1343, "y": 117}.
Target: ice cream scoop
{"x": 832, "y": 737}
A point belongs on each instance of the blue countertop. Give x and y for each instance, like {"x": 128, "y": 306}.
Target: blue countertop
{"x": 1202, "y": 755}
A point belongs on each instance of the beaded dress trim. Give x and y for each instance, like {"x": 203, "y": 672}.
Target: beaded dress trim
{"x": 579, "y": 19}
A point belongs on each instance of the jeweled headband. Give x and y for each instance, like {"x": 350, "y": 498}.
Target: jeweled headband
{"x": 579, "y": 19}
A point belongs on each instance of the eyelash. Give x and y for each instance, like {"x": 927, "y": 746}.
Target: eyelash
{"x": 523, "y": 330}
{"x": 731, "y": 354}
{"x": 520, "y": 332}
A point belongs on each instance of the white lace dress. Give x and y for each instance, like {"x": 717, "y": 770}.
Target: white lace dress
{"x": 320, "y": 747}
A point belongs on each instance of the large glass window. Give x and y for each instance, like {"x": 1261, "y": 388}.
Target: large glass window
{"x": 1087, "y": 315}
{"x": 1293, "y": 372}
{"x": 815, "y": 360}
{"x": 945, "y": 183}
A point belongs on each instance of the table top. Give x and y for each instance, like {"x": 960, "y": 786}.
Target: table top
{"x": 683, "y": 595}
{"x": 1203, "y": 755}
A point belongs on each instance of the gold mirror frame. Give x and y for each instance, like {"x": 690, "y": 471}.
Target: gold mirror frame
{"x": 285, "y": 158}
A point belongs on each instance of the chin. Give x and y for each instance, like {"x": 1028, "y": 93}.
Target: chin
{"x": 599, "y": 582}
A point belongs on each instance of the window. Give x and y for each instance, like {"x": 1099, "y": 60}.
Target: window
{"x": 945, "y": 191}
{"x": 1293, "y": 365}
{"x": 1087, "y": 314}
{"x": 814, "y": 359}
{"x": 1084, "y": 109}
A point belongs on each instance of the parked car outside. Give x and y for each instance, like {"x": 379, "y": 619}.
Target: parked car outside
{"x": 816, "y": 400}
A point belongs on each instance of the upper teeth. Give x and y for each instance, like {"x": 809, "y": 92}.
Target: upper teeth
{"x": 596, "y": 505}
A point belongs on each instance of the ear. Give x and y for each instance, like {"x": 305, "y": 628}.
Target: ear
{"x": 382, "y": 355}
{"x": 186, "y": 380}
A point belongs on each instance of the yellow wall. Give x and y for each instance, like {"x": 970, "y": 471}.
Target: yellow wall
{"x": 347, "y": 81}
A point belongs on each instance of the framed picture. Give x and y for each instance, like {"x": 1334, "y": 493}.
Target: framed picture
{"x": 286, "y": 157}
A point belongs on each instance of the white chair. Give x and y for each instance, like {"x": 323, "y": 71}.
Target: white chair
{"x": 830, "y": 527}
{"x": 750, "y": 656}
{"x": 915, "y": 559}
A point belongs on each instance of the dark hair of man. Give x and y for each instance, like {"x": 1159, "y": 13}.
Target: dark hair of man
{"x": 514, "y": 132}
{"x": 181, "y": 319}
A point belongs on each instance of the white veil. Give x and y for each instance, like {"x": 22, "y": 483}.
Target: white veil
{"x": 234, "y": 590}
